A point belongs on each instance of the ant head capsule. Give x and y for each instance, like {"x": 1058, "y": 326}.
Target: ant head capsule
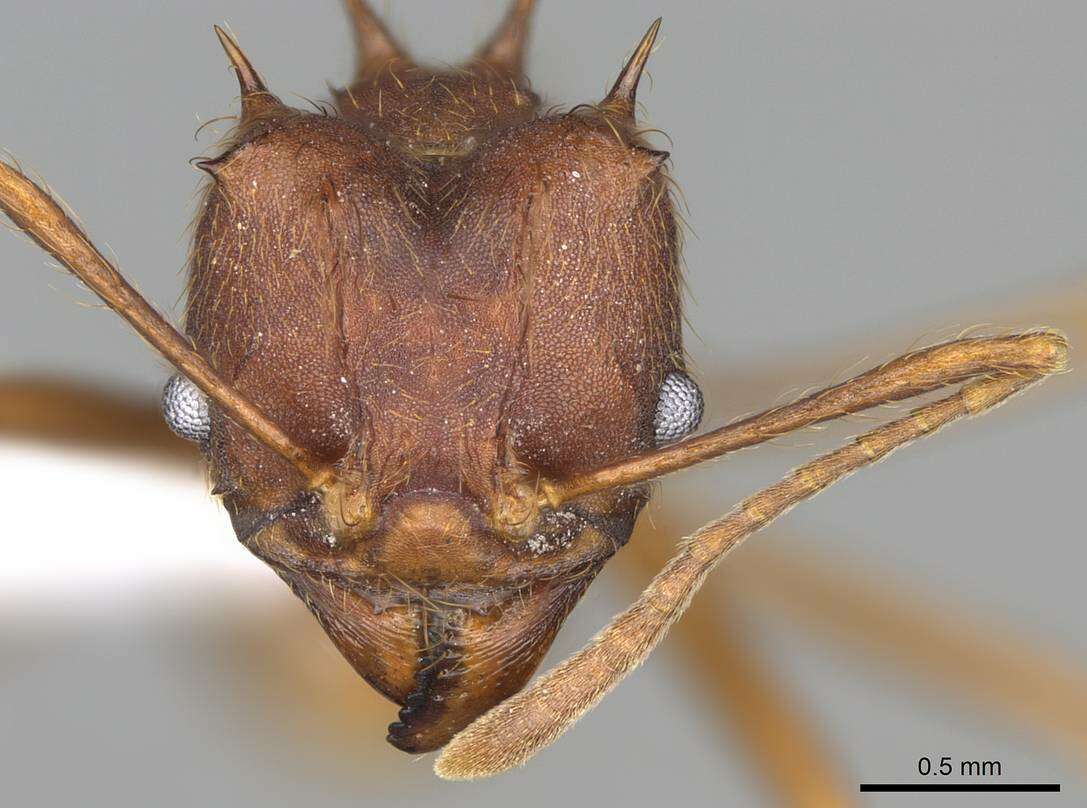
{"x": 185, "y": 410}
{"x": 679, "y": 408}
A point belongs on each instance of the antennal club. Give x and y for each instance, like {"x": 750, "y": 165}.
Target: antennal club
{"x": 518, "y": 728}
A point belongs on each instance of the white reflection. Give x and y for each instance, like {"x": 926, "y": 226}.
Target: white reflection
{"x": 90, "y": 534}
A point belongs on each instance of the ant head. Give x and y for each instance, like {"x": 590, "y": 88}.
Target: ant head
{"x": 441, "y": 335}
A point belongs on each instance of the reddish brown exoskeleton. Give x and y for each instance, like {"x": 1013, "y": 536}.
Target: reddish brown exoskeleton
{"x": 404, "y": 287}
{"x": 433, "y": 356}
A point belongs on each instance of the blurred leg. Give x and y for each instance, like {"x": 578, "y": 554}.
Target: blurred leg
{"x": 912, "y": 632}
{"x": 511, "y": 733}
{"x": 739, "y": 685}
{"x": 1026, "y": 357}
{"x": 741, "y": 388}
{"x": 67, "y": 413}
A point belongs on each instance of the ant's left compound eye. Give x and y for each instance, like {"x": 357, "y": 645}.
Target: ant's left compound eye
{"x": 679, "y": 408}
{"x": 185, "y": 410}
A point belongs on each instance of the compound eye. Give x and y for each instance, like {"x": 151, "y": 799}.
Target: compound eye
{"x": 679, "y": 408}
{"x": 185, "y": 410}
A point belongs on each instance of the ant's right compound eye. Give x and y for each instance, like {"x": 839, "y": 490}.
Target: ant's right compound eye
{"x": 185, "y": 409}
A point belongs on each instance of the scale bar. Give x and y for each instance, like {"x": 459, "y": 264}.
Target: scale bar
{"x": 963, "y": 787}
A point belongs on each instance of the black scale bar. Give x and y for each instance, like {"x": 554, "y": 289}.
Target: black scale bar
{"x": 963, "y": 787}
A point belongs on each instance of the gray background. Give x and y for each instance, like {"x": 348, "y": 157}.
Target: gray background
{"x": 858, "y": 175}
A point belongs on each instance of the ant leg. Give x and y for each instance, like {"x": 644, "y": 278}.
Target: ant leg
{"x": 913, "y": 633}
{"x": 38, "y": 215}
{"x": 747, "y": 387}
{"x": 53, "y": 410}
{"x": 733, "y": 677}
